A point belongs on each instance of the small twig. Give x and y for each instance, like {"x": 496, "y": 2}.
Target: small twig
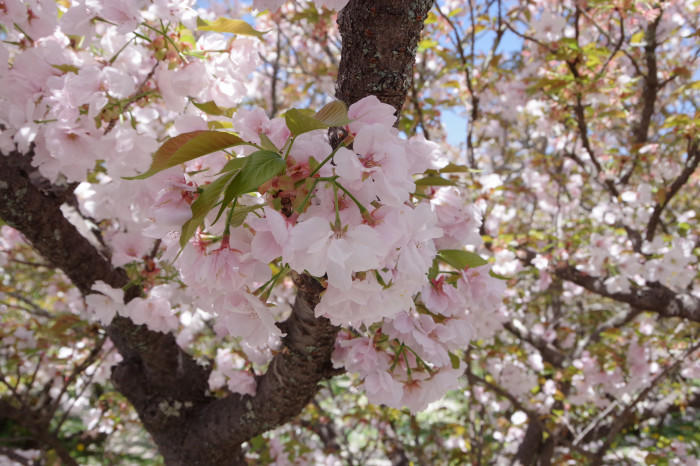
{"x": 34, "y": 308}
{"x": 619, "y": 421}
{"x": 691, "y": 164}
{"x": 133, "y": 98}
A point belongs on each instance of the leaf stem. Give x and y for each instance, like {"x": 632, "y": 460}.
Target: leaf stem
{"x": 362, "y": 208}
{"x": 289, "y": 148}
{"x": 227, "y": 227}
{"x": 325, "y": 161}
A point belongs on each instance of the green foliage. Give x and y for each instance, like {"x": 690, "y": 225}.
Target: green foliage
{"x": 460, "y": 259}
{"x": 233, "y": 26}
{"x": 302, "y": 121}
{"x": 210, "y": 108}
{"x": 260, "y": 167}
{"x": 434, "y": 181}
{"x": 186, "y": 147}
{"x": 240, "y": 176}
{"x": 206, "y": 200}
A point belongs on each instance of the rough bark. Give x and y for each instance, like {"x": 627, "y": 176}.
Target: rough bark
{"x": 155, "y": 372}
{"x": 379, "y": 48}
{"x": 166, "y": 386}
{"x": 287, "y": 387}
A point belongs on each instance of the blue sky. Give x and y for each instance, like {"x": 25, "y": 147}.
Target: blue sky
{"x": 455, "y": 123}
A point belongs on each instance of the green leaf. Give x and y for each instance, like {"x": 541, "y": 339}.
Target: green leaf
{"x": 460, "y": 259}
{"x": 313, "y": 164}
{"x": 186, "y": 35}
{"x": 234, "y": 164}
{"x": 186, "y": 147}
{"x": 454, "y": 360}
{"x": 266, "y": 143}
{"x": 67, "y": 68}
{"x": 260, "y": 167}
{"x": 434, "y": 270}
{"x": 333, "y": 114}
{"x": 637, "y": 38}
{"x": 426, "y": 44}
{"x": 218, "y": 124}
{"x": 454, "y": 168}
{"x": 232, "y": 190}
{"x": 233, "y": 26}
{"x": 302, "y": 121}
{"x": 241, "y": 212}
{"x": 211, "y": 108}
{"x": 202, "y": 205}
{"x": 228, "y": 197}
{"x": 434, "y": 181}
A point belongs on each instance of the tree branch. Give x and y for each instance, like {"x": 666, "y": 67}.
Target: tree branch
{"x": 39, "y": 425}
{"x": 623, "y": 418}
{"x": 154, "y": 367}
{"x": 651, "y": 83}
{"x": 691, "y": 164}
{"x": 549, "y": 352}
{"x": 379, "y": 47}
{"x": 651, "y": 86}
{"x": 653, "y": 297}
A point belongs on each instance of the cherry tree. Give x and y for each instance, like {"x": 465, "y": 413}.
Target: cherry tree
{"x": 238, "y": 232}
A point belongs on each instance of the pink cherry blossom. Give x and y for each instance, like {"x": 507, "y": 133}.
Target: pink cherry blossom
{"x": 459, "y": 220}
{"x": 244, "y": 316}
{"x": 368, "y": 111}
{"x": 271, "y": 234}
{"x": 154, "y": 311}
{"x": 105, "y": 303}
{"x": 314, "y": 246}
{"x": 128, "y": 247}
{"x": 482, "y": 290}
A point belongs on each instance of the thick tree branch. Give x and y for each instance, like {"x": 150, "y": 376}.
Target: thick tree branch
{"x": 651, "y": 86}
{"x": 651, "y": 83}
{"x": 38, "y": 216}
{"x": 379, "y": 48}
{"x": 653, "y": 297}
{"x": 35, "y": 211}
{"x": 154, "y": 368}
{"x": 289, "y": 384}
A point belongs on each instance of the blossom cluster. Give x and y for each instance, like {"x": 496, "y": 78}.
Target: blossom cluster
{"x": 388, "y": 248}
{"x": 352, "y": 218}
